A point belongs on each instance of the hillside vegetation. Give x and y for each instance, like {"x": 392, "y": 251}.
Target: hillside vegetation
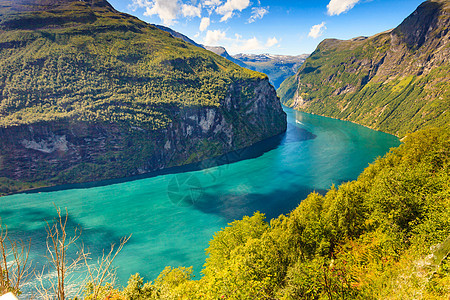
{"x": 396, "y": 81}
{"x": 385, "y": 235}
{"x": 92, "y": 63}
{"x": 88, "y": 93}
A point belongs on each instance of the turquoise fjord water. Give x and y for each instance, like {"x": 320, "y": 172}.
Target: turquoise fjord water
{"x": 173, "y": 216}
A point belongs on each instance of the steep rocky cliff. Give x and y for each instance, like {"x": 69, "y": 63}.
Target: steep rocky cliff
{"x": 88, "y": 93}
{"x": 396, "y": 81}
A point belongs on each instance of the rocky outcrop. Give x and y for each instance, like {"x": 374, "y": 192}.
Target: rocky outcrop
{"x": 52, "y": 153}
{"x": 110, "y": 96}
{"x": 395, "y": 81}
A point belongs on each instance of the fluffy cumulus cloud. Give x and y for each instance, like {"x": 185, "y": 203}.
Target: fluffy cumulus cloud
{"x": 250, "y": 45}
{"x": 209, "y": 12}
{"x": 317, "y": 30}
{"x": 228, "y": 8}
{"x": 272, "y": 42}
{"x": 227, "y": 16}
{"x": 337, "y": 7}
{"x": 237, "y": 44}
{"x": 204, "y": 24}
{"x": 191, "y": 10}
{"x": 170, "y": 10}
{"x": 212, "y": 2}
{"x": 258, "y": 13}
{"x": 166, "y": 10}
{"x": 213, "y": 37}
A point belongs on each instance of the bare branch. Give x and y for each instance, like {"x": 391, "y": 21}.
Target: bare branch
{"x": 14, "y": 264}
{"x": 102, "y": 273}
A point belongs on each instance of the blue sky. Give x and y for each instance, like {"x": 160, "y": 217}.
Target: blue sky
{"x": 290, "y": 27}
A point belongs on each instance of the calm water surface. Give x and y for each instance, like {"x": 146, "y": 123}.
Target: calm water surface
{"x": 172, "y": 217}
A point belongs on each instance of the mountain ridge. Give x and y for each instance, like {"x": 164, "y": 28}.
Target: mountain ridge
{"x": 377, "y": 81}
{"x": 219, "y": 50}
{"x": 89, "y": 93}
{"x": 277, "y": 67}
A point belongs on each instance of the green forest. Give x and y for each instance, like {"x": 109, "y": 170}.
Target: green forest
{"x": 391, "y": 81}
{"x": 385, "y": 235}
{"x": 95, "y": 64}
{"x": 81, "y": 66}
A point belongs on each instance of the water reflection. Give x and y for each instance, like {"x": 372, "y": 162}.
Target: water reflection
{"x": 173, "y": 214}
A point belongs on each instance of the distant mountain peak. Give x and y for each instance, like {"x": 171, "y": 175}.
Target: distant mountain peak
{"x": 219, "y": 50}
{"x": 395, "y": 81}
{"x": 277, "y": 67}
{"x": 178, "y": 35}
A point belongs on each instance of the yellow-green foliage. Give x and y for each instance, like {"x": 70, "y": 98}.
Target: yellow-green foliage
{"x": 378, "y": 81}
{"x": 91, "y": 64}
{"x": 8, "y": 185}
{"x": 383, "y": 236}
{"x": 402, "y": 84}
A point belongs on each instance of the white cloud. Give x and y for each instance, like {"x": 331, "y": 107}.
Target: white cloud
{"x": 251, "y": 44}
{"x": 204, "y": 24}
{"x": 138, "y": 3}
{"x": 317, "y": 30}
{"x": 258, "y": 13}
{"x": 228, "y": 8}
{"x": 239, "y": 45}
{"x": 272, "y": 42}
{"x": 191, "y": 10}
{"x": 212, "y": 2}
{"x": 213, "y": 37}
{"x": 337, "y": 7}
{"x": 226, "y": 16}
{"x": 166, "y": 10}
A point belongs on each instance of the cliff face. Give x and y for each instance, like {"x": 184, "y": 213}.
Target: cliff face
{"x": 69, "y": 151}
{"x": 396, "y": 81}
{"x": 109, "y": 96}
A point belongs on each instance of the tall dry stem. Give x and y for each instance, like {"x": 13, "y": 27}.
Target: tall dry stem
{"x": 58, "y": 246}
{"x": 102, "y": 272}
{"x": 15, "y": 268}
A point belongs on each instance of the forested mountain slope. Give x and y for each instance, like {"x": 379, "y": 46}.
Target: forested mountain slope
{"x": 89, "y": 93}
{"x": 396, "y": 81}
{"x": 384, "y": 236}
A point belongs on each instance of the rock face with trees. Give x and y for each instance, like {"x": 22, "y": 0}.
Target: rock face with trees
{"x": 396, "y": 81}
{"x": 88, "y": 93}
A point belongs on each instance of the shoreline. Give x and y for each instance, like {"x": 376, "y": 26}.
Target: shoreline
{"x": 253, "y": 151}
